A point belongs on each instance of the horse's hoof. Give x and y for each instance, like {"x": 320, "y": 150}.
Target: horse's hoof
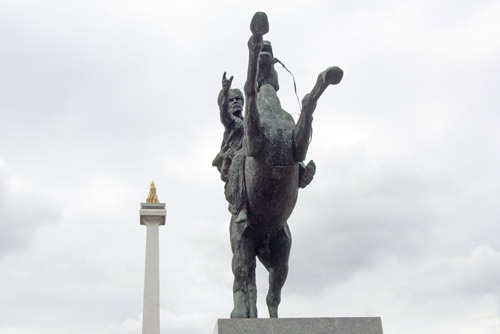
{"x": 240, "y": 309}
{"x": 259, "y": 24}
{"x": 332, "y": 75}
{"x": 237, "y": 315}
{"x": 273, "y": 312}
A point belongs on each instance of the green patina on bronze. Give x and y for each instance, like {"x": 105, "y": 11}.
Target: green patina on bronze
{"x": 261, "y": 162}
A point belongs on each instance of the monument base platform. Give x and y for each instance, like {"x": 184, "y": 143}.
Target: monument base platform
{"x": 371, "y": 325}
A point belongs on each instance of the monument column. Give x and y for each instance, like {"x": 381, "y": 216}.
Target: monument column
{"x": 152, "y": 215}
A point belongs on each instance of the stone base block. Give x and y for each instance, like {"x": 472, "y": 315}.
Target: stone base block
{"x": 300, "y": 326}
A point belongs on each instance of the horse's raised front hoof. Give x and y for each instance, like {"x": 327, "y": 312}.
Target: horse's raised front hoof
{"x": 259, "y": 24}
{"x": 332, "y": 75}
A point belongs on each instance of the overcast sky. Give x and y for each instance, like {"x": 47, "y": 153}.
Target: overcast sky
{"x": 99, "y": 97}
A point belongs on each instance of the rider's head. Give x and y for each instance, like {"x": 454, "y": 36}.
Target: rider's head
{"x": 236, "y": 102}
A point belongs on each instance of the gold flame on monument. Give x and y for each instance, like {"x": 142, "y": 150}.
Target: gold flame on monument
{"x": 152, "y": 197}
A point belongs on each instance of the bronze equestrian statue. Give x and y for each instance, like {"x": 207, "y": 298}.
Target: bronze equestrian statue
{"x": 261, "y": 163}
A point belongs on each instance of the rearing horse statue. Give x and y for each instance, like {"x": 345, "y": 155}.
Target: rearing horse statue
{"x": 274, "y": 148}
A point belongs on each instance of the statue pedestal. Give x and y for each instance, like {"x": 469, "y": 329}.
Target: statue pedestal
{"x": 372, "y": 325}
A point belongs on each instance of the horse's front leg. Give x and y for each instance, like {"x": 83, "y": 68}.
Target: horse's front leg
{"x": 303, "y": 128}
{"x": 259, "y": 26}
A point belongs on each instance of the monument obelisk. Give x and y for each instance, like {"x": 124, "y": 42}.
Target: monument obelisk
{"x": 152, "y": 215}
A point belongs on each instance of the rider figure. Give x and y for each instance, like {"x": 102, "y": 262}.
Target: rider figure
{"x": 231, "y": 158}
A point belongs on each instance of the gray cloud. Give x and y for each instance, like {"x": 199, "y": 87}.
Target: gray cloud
{"x": 99, "y": 98}
{"x": 22, "y": 213}
{"x": 360, "y": 215}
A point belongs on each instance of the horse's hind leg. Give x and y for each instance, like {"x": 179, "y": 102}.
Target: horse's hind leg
{"x": 252, "y": 292}
{"x": 243, "y": 265}
{"x": 277, "y": 278}
{"x": 276, "y": 262}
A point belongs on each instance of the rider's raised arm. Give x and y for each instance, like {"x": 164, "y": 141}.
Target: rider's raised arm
{"x": 223, "y": 101}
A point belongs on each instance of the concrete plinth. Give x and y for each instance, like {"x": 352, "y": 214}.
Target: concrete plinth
{"x": 372, "y": 325}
